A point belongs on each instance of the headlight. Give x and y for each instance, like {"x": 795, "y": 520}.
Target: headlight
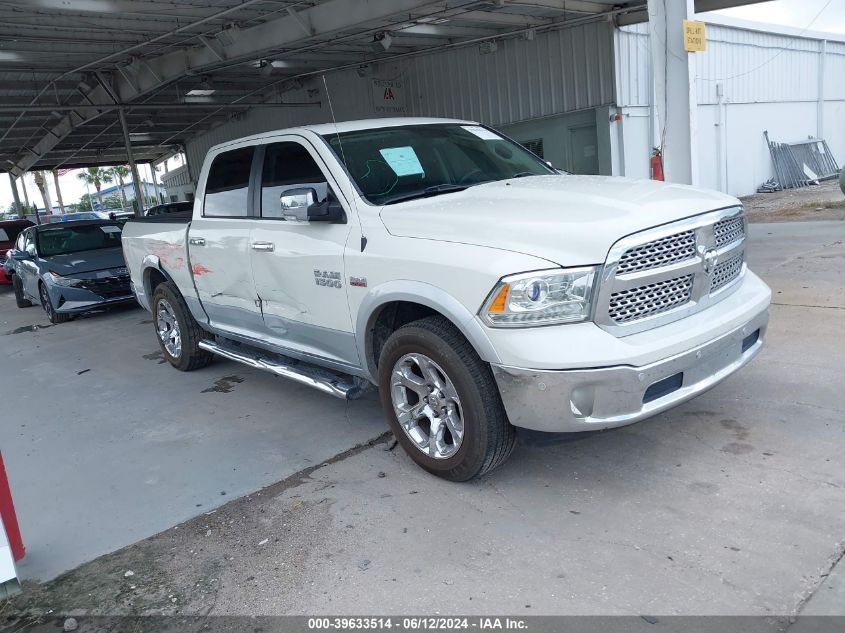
{"x": 64, "y": 281}
{"x": 545, "y": 297}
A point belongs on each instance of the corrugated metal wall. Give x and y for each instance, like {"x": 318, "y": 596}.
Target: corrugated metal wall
{"x": 770, "y": 81}
{"x": 557, "y": 72}
{"x": 834, "y": 72}
{"x": 753, "y": 66}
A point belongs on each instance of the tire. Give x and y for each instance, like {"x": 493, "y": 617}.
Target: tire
{"x": 487, "y": 438}
{"x": 842, "y": 180}
{"x": 47, "y": 304}
{"x": 169, "y": 308}
{"x": 20, "y": 298}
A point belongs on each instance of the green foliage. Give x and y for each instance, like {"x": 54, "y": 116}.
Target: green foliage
{"x": 18, "y": 208}
{"x": 112, "y": 202}
{"x": 84, "y": 204}
{"x": 120, "y": 171}
{"x": 95, "y": 176}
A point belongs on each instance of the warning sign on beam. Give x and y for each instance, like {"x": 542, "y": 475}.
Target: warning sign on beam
{"x": 388, "y": 96}
{"x": 695, "y": 39}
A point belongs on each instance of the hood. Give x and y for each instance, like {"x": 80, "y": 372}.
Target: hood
{"x": 74, "y": 264}
{"x": 569, "y": 220}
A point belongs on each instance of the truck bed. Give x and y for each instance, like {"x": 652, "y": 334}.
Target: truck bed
{"x": 162, "y": 241}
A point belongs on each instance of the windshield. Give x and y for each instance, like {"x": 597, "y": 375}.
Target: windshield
{"x": 401, "y": 163}
{"x": 74, "y": 239}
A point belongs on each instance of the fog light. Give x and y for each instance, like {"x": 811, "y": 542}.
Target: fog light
{"x": 581, "y": 401}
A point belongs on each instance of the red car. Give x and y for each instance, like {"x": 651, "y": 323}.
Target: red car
{"x": 9, "y": 231}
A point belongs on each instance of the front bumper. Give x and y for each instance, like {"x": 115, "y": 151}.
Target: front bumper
{"x": 86, "y": 305}
{"x": 593, "y": 399}
{"x": 75, "y": 300}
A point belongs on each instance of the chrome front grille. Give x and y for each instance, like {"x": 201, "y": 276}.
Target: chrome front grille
{"x": 644, "y": 301}
{"x": 658, "y": 253}
{"x": 666, "y": 273}
{"x": 728, "y": 231}
{"x": 726, "y": 272}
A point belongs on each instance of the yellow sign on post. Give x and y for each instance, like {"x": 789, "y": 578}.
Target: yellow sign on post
{"x": 695, "y": 39}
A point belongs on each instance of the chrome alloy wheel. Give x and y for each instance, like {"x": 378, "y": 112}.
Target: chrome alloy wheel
{"x": 168, "y": 329}
{"x": 427, "y": 406}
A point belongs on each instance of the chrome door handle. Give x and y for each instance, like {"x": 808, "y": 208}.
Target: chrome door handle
{"x": 196, "y": 241}
{"x": 263, "y": 246}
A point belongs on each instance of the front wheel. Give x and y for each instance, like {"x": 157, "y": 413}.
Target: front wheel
{"x": 47, "y": 304}
{"x": 20, "y": 298}
{"x": 178, "y": 332}
{"x": 442, "y": 402}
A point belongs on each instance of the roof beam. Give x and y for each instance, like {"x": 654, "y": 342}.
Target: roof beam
{"x": 569, "y": 6}
{"x": 505, "y": 19}
{"x": 144, "y": 76}
{"x": 324, "y": 19}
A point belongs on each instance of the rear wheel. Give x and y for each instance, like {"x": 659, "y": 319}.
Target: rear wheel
{"x": 442, "y": 402}
{"x": 178, "y": 332}
{"x": 20, "y": 298}
{"x": 49, "y": 309}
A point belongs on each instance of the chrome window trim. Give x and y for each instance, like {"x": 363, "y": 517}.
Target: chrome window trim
{"x": 701, "y": 297}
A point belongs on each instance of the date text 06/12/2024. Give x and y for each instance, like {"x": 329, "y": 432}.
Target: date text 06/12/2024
{"x": 416, "y": 623}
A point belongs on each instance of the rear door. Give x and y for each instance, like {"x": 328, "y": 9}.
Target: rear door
{"x": 298, "y": 266}
{"x": 218, "y": 244}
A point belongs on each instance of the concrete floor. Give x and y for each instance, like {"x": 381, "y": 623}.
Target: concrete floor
{"x": 731, "y": 504}
{"x": 105, "y": 444}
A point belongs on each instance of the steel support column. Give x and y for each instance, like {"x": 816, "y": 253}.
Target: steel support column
{"x": 675, "y": 92}
{"x": 138, "y": 203}
{"x": 15, "y": 194}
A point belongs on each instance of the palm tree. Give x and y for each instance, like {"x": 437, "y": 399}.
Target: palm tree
{"x": 120, "y": 172}
{"x": 96, "y": 176}
{"x": 58, "y": 190}
{"x": 41, "y": 183}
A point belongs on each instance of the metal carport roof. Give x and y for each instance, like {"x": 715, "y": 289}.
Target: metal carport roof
{"x": 176, "y": 69}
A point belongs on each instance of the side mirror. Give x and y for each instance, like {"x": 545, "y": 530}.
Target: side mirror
{"x": 295, "y": 203}
{"x": 302, "y": 204}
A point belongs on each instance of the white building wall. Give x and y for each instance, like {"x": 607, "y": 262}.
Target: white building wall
{"x": 749, "y": 80}
{"x": 557, "y": 72}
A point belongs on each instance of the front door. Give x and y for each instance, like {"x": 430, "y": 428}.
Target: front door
{"x": 28, "y": 268}
{"x": 218, "y": 245}
{"x": 298, "y": 265}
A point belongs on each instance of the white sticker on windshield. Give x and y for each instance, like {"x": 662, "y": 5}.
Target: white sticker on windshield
{"x": 482, "y": 132}
{"x": 402, "y": 160}
{"x": 108, "y": 228}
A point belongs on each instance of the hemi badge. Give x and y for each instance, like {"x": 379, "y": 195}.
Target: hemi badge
{"x": 360, "y": 282}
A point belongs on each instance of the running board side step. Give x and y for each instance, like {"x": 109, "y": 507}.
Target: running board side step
{"x": 303, "y": 373}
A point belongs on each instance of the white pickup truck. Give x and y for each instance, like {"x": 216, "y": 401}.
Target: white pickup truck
{"x": 478, "y": 288}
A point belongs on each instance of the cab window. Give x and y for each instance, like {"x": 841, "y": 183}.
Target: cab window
{"x": 227, "y": 187}
{"x": 288, "y": 166}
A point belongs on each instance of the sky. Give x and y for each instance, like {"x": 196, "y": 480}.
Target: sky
{"x": 798, "y": 14}
{"x": 814, "y": 15}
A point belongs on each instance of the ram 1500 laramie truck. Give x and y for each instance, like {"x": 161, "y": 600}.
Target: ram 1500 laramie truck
{"x": 476, "y": 287}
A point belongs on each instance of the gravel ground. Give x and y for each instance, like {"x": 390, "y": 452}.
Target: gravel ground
{"x": 823, "y": 202}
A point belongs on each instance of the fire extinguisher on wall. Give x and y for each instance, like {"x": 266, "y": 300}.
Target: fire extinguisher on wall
{"x": 656, "y": 164}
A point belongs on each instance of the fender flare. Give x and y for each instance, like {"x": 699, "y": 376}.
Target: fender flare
{"x": 151, "y": 262}
{"x": 430, "y": 296}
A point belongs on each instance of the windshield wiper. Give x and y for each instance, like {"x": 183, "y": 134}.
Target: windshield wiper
{"x": 523, "y": 174}
{"x": 433, "y": 190}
